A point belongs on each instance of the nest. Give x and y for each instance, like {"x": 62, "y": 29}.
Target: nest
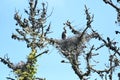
{"x": 73, "y": 45}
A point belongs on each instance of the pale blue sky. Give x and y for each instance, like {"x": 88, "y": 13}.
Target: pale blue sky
{"x": 73, "y": 10}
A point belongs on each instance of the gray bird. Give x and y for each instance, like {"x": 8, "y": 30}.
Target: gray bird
{"x": 64, "y": 34}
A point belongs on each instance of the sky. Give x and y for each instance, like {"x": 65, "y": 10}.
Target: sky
{"x": 50, "y": 66}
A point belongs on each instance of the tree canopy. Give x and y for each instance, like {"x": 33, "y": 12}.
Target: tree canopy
{"x": 78, "y": 50}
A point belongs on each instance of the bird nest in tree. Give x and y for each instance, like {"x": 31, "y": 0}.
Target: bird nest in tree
{"x": 73, "y": 45}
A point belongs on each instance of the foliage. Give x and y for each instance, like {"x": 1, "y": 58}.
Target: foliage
{"x": 33, "y": 31}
